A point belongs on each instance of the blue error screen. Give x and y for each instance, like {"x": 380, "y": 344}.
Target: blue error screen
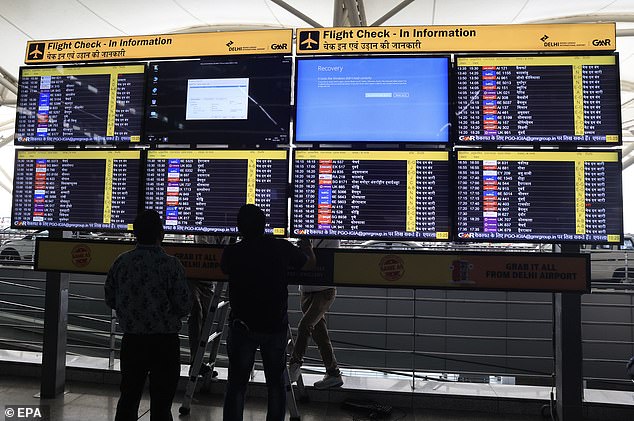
{"x": 389, "y": 99}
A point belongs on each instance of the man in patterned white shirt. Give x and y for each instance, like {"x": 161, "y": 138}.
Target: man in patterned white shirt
{"x": 149, "y": 292}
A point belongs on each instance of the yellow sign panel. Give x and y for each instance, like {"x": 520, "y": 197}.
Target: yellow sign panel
{"x": 555, "y": 156}
{"x": 142, "y": 47}
{"x": 409, "y": 39}
{"x": 94, "y": 256}
{"x": 216, "y": 154}
{"x": 537, "y": 61}
{"x": 76, "y": 256}
{"x": 78, "y": 154}
{"x": 373, "y": 155}
{"x": 503, "y": 271}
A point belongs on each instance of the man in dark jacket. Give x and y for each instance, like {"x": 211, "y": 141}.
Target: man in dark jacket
{"x": 258, "y": 295}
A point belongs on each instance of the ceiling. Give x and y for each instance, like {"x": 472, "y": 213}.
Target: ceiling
{"x": 21, "y": 21}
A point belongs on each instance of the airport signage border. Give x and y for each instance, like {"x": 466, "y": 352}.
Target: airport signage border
{"x": 145, "y": 47}
{"x": 457, "y": 38}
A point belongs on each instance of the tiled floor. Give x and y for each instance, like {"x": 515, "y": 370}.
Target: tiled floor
{"x": 97, "y": 402}
{"x": 92, "y": 395}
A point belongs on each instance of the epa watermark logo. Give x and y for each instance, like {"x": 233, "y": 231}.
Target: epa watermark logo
{"x": 26, "y": 413}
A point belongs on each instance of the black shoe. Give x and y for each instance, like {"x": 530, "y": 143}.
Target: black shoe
{"x": 204, "y": 370}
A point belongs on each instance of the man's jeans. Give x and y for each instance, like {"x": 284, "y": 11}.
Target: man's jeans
{"x": 241, "y": 347}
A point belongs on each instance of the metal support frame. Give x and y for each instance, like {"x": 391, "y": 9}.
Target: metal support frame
{"x": 8, "y": 83}
{"x": 55, "y": 324}
{"x": 568, "y": 352}
{"x": 297, "y": 13}
{"x": 396, "y": 9}
{"x": 351, "y": 12}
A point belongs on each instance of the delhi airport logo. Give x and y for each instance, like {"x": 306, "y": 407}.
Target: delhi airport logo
{"x": 81, "y": 255}
{"x": 392, "y": 267}
{"x": 544, "y": 38}
{"x": 36, "y": 51}
{"x": 309, "y": 40}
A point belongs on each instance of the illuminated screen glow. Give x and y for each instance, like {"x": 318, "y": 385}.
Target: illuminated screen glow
{"x": 200, "y": 191}
{"x": 80, "y": 104}
{"x": 389, "y": 99}
{"x": 92, "y": 190}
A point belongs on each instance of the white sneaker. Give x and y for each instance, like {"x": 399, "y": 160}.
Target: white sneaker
{"x": 329, "y": 381}
{"x": 293, "y": 371}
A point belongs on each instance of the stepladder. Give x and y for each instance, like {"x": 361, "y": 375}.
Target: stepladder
{"x": 298, "y": 393}
{"x": 210, "y": 338}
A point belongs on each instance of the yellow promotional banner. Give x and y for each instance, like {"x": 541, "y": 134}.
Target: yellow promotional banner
{"x": 200, "y": 262}
{"x": 499, "y": 271}
{"x": 457, "y": 38}
{"x": 94, "y": 256}
{"x": 472, "y": 271}
{"x": 143, "y": 47}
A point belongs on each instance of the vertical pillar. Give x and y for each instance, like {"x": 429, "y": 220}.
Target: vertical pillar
{"x": 569, "y": 358}
{"x": 568, "y": 353}
{"x": 339, "y": 16}
{"x": 55, "y": 323}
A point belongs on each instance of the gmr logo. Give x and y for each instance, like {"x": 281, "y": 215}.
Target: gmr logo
{"x": 279, "y": 46}
{"x": 601, "y": 42}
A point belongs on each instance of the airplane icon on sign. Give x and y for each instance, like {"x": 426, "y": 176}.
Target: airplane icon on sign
{"x": 308, "y": 42}
{"x": 36, "y": 51}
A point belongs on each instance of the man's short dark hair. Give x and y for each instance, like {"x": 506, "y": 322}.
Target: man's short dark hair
{"x": 148, "y": 227}
{"x": 251, "y": 221}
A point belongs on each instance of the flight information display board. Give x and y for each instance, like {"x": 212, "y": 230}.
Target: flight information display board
{"x": 539, "y": 196}
{"x": 372, "y": 99}
{"x": 538, "y": 99}
{"x": 92, "y": 190}
{"x": 371, "y": 194}
{"x": 241, "y": 101}
{"x": 80, "y": 104}
{"x": 200, "y": 191}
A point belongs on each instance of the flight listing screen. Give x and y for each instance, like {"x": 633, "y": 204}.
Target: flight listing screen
{"x": 371, "y": 194}
{"x": 92, "y": 190}
{"x": 539, "y": 99}
{"x": 539, "y": 196}
{"x": 88, "y": 104}
{"x": 372, "y": 99}
{"x": 200, "y": 191}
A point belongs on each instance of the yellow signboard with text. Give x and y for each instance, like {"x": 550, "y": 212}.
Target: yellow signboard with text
{"x": 453, "y": 270}
{"x": 94, "y": 256}
{"x": 457, "y": 38}
{"x": 143, "y": 47}
{"x": 491, "y": 271}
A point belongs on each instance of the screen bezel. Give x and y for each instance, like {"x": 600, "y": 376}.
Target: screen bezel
{"x": 167, "y": 229}
{"x": 450, "y": 205}
{"x": 248, "y": 143}
{"x": 454, "y": 83}
{"x": 65, "y": 143}
{"x": 454, "y": 158}
{"x": 385, "y": 144}
{"x": 75, "y": 227}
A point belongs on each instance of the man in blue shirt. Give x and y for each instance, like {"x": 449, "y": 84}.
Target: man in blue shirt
{"x": 148, "y": 290}
{"x": 258, "y": 296}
